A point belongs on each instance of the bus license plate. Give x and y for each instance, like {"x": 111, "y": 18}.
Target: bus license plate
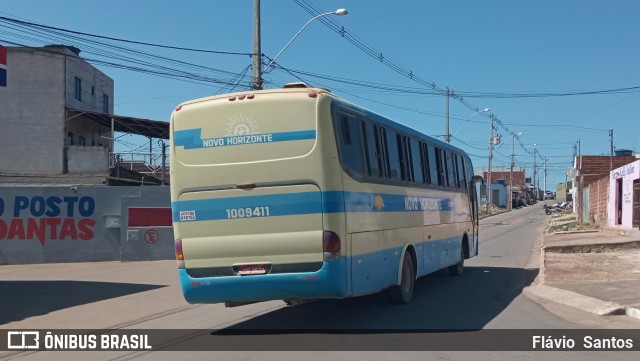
{"x": 254, "y": 269}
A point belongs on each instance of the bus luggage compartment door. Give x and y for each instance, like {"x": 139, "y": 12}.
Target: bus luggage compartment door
{"x": 223, "y": 231}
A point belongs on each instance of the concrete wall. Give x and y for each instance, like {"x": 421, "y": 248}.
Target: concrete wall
{"x": 84, "y": 224}
{"x": 501, "y": 200}
{"x": 32, "y": 104}
{"x": 41, "y": 82}
{"x": 87, "y": 160}
{"x": 94, "y": 84}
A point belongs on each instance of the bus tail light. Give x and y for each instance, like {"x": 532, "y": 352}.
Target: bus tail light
{"x": 179, "y": 254}
{"x": 330, "y": 246}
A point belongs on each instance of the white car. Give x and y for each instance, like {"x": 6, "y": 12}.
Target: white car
{"x": 549, "y": 195}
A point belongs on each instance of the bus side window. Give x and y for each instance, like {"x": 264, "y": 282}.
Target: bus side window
{"x": 417, "y": 171}
{"x": 371, "y": 145}
{"x": 393, "y": 156}
{"x": 434, "y": 165}
{"x": 403, "y": 157}
{"x": 426, "y": 163}
{"x": 441, "y": 164}
{"x": 351, "y": 148}
{"x": 451, "y": 170}
{"x": 462, "y": 178}
{"x": 383, "y": 151}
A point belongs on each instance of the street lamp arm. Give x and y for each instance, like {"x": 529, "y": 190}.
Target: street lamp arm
{"x": 525, "y": 148}
{"x": 468, "y": 119}
{"x": 337, "y": 12}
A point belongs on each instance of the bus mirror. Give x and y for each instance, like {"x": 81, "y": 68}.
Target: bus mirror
{"x": 477, "y": 179}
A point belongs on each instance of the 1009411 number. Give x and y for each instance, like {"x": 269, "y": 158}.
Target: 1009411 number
{"x": 248, "y": 212}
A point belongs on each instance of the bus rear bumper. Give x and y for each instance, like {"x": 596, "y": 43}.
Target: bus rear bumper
{"x": 328, "y": 282}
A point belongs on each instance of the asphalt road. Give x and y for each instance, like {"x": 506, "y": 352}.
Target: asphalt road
{"x": 487, "y": 296}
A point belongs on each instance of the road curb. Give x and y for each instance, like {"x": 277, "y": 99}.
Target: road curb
{"x": 572, "y": 299}
{"x": 633, "y": 312}
{"x": 576, "y": 300}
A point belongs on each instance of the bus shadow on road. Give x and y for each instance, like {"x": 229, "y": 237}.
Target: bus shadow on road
{"x": 440, "y": 302}
{"x": 24, "y": 299}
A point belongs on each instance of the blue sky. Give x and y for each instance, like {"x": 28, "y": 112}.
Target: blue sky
{"x": 491, "y": 46}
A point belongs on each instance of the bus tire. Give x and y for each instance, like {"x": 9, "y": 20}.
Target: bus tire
{"x": 458, "y": 268}
{"x": 403, "y": 293}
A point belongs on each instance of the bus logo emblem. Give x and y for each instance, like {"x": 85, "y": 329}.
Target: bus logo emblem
{"x": 241, "y": 125}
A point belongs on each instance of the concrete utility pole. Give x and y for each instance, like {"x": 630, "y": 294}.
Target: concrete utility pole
{"x": 535, "y": 172}
{"x": 446, "y": 121}
{"x": 611, "y": 152}
{"x": 545, "y": 177}
{"x": 513, "y": 156}
{"x": 256, "y": 73}
{"x": 489, "y": 171}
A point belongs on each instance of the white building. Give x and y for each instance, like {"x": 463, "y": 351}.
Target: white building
{"x": 624, "y": 197}
{"x": 58, "y": 123}
{"x": 39, "y": 136}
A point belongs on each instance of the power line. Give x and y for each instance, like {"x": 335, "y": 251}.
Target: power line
{"x": 16, "y": 21}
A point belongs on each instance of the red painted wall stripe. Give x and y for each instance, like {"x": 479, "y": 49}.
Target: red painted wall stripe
{"x": 150, "y": 217}
{"x": 3, "y": 55}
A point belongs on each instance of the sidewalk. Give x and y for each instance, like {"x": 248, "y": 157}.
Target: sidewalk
{"x": 597, "y": 272}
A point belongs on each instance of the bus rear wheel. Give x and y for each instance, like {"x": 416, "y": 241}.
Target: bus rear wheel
{"x": 458, "y": 268}
{"x": 403, "y": 293}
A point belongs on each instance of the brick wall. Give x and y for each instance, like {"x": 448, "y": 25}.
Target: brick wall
{"x": 594, "y": 167}
{"x": 518, "y": 177}
{"x": 598, "y": 199}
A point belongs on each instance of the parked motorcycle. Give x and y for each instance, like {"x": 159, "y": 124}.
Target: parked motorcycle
{"x": 557, "y": 208}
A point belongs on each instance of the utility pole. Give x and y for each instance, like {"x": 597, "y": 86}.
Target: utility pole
{"x": 164, "y": 162}
{"x": 489, "y": 171}
{"x": 545, "y": 177}
{"x": 513, "y": 148}
{"x": 256, "y": 71}
{"x": 446, "y": 121}
{"x": 535, "y": 172}
{"x": 611, "y": 152}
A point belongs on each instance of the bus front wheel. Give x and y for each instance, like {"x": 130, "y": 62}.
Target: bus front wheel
{"x": 403, "y": 293}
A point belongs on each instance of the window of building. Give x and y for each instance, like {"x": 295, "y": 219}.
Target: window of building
{"x": 93, "y": 90}
{"x": 82, "y": 140}
{"x": 70, "y": 138}
{"x": 105, "y": 103}
{"x": 78, "y": 89}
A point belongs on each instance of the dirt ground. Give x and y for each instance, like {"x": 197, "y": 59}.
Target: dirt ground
{"x": 603, "y": 266}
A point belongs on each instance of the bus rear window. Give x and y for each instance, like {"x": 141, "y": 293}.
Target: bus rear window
{"x": 220, "y": 131}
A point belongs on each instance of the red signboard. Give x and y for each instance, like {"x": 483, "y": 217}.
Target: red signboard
{"x": 150, "y": 217}
{"x": 3, "y": 66}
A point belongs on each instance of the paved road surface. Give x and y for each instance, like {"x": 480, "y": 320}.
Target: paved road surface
{"x": 146, "y": 296}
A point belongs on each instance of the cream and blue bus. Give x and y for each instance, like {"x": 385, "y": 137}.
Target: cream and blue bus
{"x": 296, "y": 194}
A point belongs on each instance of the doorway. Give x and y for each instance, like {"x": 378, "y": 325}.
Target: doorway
{"x": 619, "y": 201}
{"x": 636, "y": 203}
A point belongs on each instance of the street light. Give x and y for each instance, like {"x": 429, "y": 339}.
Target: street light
{"x": 466, "y": 121}
{"x": 339, "y": 12}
